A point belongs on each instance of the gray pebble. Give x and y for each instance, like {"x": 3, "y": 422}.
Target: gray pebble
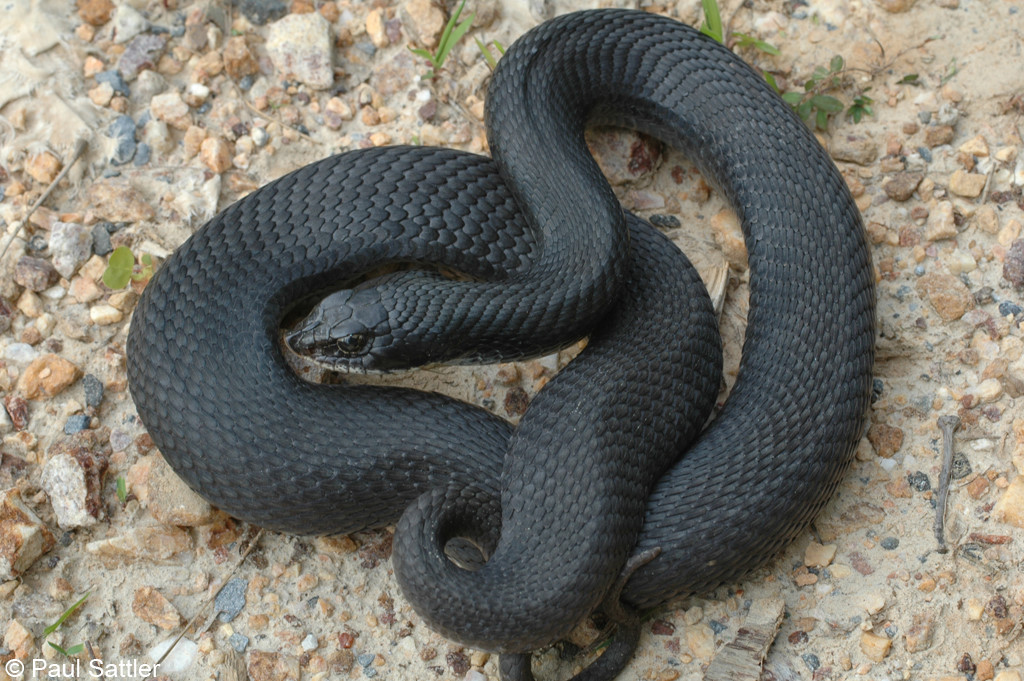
{"x": 93, "y": 388}
{"x": 76, "y": 423}
{"x": 142, "y": 154}
{"x": 123, "y": 131}
{"x": 924, "y": 116}
{"x": 70, "y": 246}
{"x": 142, "y": 52}
{"x": 365, "y": 659}
{"x": 120, "y": 440}
{"x": 116, "y": 81}
{"x": 21, "y": 353}
{"x": 890, "y": 543}
{"x": 260, "y": 12}
{"x": 238, "y": 641}
{"x": 101, "y": 240}
{"x": 231, "y": 599}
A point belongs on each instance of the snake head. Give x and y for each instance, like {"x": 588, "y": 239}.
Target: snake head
{"x": 343, "y": 330}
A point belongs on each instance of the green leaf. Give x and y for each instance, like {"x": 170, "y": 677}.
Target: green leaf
{"x": 712, "y": 24}
{"x": 119, "y": 268}
{"x": 744, "y": 40}
{"x": 770, "y": 79}
{"x": 420, "y": 52}
{"x": 454, "y": 37}
{"x": 501, "y": 48}
{"x": 836, "y": 65}
{"x": 804, "y": 109}
{"x": 819, "y": 73}
{"x": 452, "y": 20}
{"x": 73, "y": 650}
{"x": 67, "y": 613}
{"x": 793, "y": 98}
{"x": 821, "y": 119}
{"x": 909, "y": 79}
{"x": 122, "y": 489}
{"x": 826, "y": 103}
{"x": 488, "y": 57}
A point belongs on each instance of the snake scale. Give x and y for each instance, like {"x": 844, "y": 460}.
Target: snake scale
{"x": 541, "y": 241}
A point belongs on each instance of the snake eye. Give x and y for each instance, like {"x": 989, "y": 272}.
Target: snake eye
{"x": 352, "y": 344}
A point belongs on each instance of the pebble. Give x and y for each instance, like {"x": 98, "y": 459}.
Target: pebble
{"x": 142, "y": 154}
{"x": 623, "y": 155}
{"x": 170, "y": 108}
{"x": 941, "y": 223}
{"x": 35, "y": 274}
{"x": 260, "y": 12}
{"x": 93, "y": 389}
{"x": 918, "y": 637}
{"x": 95, "y": 12}
{"x": 127, "y": 23}
{"x": 423, "y": 20}
{"x": 179, "y": 659}
{"x": 701, "y": 640}
{"x": 1013, "y": 264}
{"x": 968, "y": 185}
{"x": 76, "y": 423}
{"x": 376, "y": 29}
{"x": 70, "y": 246}
{"x": 104, "y": 315}
{"x": 143, "y": 52}
{"x": 239, "y": 61}
{"x": 20, "y": 353}
{"x": 48, "y": 375}
{"x": 43, "y": 167}
{"x": 948, "y": 296}
{"x": 725, "y": 226}
{"x": 26, "y": 538}
{"x": 230, "y": 599}
{"x": 1009, "y": 508}
{"x": 115, "y": 80}
{"x": 310, "y": 643}
{"x": 72, "y": 489}
{"x": 239, "y": 642}
{"x": 874, "y": 647}
{"x": 365, "y": 659}
{"x": 165, "y": 495}
{"x": 152, "y": 607}
{"x": 854, "y": 148}
{"x": 819, "y": 555}
{"x": 895, "y": 6}
{"x": 216, "y": 153}
{"x": 300, "y": 45}
{"x": 902, "y": 185}
{"x": 937, "y": 135}
{"x": 890, "y": 543}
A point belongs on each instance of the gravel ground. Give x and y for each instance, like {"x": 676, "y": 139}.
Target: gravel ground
{"x": 185, "y": 106}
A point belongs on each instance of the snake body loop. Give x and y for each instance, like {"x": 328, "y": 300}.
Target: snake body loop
{"x": 212, "y": 388}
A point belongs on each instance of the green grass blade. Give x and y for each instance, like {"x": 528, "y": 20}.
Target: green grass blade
{"x": 67, "y": 613}
{"x": 454, "y": 38}
{"x": 452, "y": 20}
{"x": 712, "y": 24}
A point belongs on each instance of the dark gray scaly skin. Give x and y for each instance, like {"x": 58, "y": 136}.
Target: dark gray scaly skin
{"x": 211, "y": 387}
{"x": 776, "y": 453}
{"x": 579, "y": 467}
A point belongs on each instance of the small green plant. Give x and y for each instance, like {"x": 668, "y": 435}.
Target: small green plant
{"x": 813, "y": 102}
{"x": 121, "y": 268}
{"x": 452, "y": 34}
{"x": 713, "y": 28}
{"x": 122, "y": 489}
{"x": 73, "y": 650}
{"x": 491, "y": 61}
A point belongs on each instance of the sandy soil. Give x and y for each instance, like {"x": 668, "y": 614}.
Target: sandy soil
{"x": 936, "y": 170}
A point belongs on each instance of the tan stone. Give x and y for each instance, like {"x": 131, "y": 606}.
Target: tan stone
{"x": 47, "y": 375}
{"x": 1009, "y": 508}
{"x": 154, "y": 543}
{"x": 23, "y": 536}
{"x": 165, "y": 495}
{"x": 729, "y": 237}
{"x": 948, "y": 296}
{"x": 919, "y": 635}
{"x": 238, "y": 59}
{"x": 151, "y": 606}
{"x": 885, "y": 439}
{"x": 987, "y": 219}
{"x": 95, "y": 12}
{"x": 874, "y": 647}
{"x": 940, "y": 223}
{"x": 376, "y": 29}
{"x": 216, "y": 153}
{"x": 104, "y": 315}
{"x": 267, "y": 666}
{"x": 976, "y": 146}
{"x": 937, "y": 135}
{"x": 118, "y": 201}
{"x": 423, "y": 20}
{"x": 969, "y": 185}
{"x": 819, "y": 555}
{"x": 43, "y": 167}
{"x": 170, "y": 108}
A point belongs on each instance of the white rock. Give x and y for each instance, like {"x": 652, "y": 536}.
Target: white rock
{"x": 63, "y": 480}
{"x": 179, "y": 659}
{"x": 104, "y": 314}
{"x": 128, "y": 23}
{"x": 70, "y": 246}
{"x": 310, "y": 643}
{"x": 55, "y": 292}
{"x": 300, "y": 44}
{"x": 20, "y": 353}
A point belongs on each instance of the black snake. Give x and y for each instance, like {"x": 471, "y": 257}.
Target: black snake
{"x": 542, "y": 249}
